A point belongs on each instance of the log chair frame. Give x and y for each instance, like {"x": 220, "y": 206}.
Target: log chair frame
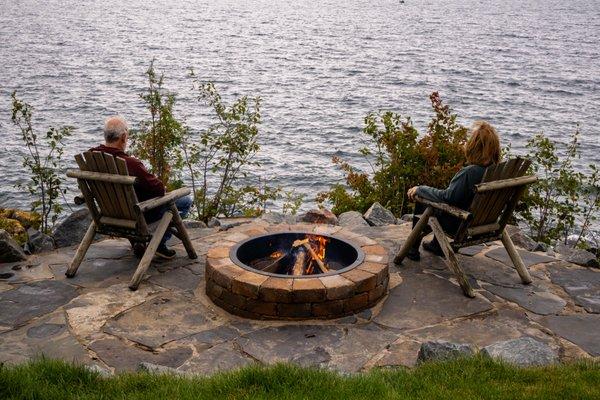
{"x": 495, "y": 200}
{"x": 110, "y": 197}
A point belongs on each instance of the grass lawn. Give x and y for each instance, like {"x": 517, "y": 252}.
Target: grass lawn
{"x": 475, "y": 378}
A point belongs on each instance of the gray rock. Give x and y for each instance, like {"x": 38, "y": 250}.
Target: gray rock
{"x": 214, "y": 222}
{"x": 378, "y": 215}
{"x": 193, "y": 224}
{"x": 441, "y": 350}
{"x": 10, "y": 251}
{"x": 157, "y": 369}
{"x": 520, "y": 239}
{"x": 529, "y": 258}
{"x": 577, "y": 256}
{"x": 70, "y": 231}
{"x": 39, "y": 242}
{"x": 352, "y": 219}
{"x": 531, "y": 297}
{"x": 278, "y": 218}
{"x": 523, "y": 352}
{"x": 319, "y": 216}
{"x": 407, "y": 217}
{"x": 97, "y": 369}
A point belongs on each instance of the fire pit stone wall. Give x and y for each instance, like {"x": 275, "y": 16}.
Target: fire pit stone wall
{"x": 254, "y": 295}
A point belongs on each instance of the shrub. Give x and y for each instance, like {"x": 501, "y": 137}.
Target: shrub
{"x": 400, "y": 160}
{"x": 563, "y": 201}
{"x": 43, "y": 162}
{"x": 158, "y": 139}
{"x": 218, "y": 157}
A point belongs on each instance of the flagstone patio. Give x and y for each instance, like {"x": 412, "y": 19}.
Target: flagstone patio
{"x": 94, "y": 319}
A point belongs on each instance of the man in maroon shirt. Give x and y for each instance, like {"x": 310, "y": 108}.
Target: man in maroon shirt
{"x": 147, "y": 185}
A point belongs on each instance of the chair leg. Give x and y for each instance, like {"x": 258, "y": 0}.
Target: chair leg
{"x": 182, "y": 233}
{"x": 413, "y": 236}
{"x": 150, "y": 250}
{"x": 516, "y": 258}
{"x": 87, "y": 240}
{"x": 451, "y": 259}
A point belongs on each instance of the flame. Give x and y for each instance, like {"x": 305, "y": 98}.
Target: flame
{"x": 319, "y": 245}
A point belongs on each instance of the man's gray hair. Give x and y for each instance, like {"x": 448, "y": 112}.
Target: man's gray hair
{"x": 114, "y": 128}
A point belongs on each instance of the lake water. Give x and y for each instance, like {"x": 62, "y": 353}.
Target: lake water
{"x": 319, "y": 66}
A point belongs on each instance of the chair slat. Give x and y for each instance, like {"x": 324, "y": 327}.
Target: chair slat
{"x": 497, "y": 199}
{"x": 87, "y": 190}
{"x": 108, "y": 188}
{"x": 132, "y": 199}
{"x": 111, "y": 166}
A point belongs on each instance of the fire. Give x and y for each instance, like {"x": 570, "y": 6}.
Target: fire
{"x": 318, "y": 244}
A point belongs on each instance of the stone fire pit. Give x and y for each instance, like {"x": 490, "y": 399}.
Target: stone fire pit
{"x": 357, "y": 280}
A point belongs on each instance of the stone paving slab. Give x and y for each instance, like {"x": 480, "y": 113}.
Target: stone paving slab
{"x": 222, "y": 357}
{"x": 33, "y": 300}
{"x": 582, "y": 284}
{"x": 170, "y": 321}
{"x": 424, "y": 299}
{"x": 48, "y": 336}
{"x": 581, "y": 329}
{"x": 529, "y": 258}
{"x": 123, "y": 357}
{"x": 530, "y": 297}
{"x": 162, "y": 319}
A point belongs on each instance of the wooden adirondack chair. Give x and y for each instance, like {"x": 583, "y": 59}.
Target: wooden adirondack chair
{"x": 109, "y": 195}
{"x": 495, "y": 200}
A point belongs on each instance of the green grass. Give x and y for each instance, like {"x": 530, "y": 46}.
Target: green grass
{"x": 475, "y": 378}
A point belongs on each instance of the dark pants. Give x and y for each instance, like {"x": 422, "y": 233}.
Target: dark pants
{"x": 449, "y": 223}
{"x": 183, "y": 205}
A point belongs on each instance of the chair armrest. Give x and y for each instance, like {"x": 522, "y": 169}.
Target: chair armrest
{"x": 447, "y": 208}
{"x": 160, "y": 201}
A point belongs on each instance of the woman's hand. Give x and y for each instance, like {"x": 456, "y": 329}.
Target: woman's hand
{"x": 411, "y": 193}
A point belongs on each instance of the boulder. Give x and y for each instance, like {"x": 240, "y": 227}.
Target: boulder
{"x": 14, "y": 228}
{"x": 157, "y": 369}
{"x": 38, "y": 241}
{"x": 440, "y": 350}
{"x": 213, "y": 222}
{"x": 319, "y": 216}
{"x": 70, "y": 231}
{"x": 406, "y": 218}
{"x": 278, "y": 218}
{"x": 577, "y": 256}
{"x": 193, "y": 224}
{"x": 520, "y": 239}
{"x": 352, "y": 219}
{"x": 524, "y": 351}
{"x": 10, "y": 251}
{"x": 97, "y": 369}
{"x": 378, "y": 215}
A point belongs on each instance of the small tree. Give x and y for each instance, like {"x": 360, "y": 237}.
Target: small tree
{"x": 159, "y": 138}
{"x": 46, "y": 179}
{"x": 218, "y": 157}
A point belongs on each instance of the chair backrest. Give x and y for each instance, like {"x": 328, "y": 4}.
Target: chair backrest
{"x": 108, "y": 190}
{"x": 496, "y": 198}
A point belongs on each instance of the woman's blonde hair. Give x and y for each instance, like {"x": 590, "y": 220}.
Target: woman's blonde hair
{"x": 483, "y": 147}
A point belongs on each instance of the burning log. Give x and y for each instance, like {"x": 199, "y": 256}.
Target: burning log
{"x": 312, "y": 253}
{"x": 269, "y": 264}
{"x": 298, "y": 268}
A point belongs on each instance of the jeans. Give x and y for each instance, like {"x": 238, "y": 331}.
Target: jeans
{"x": 183, "y": 204}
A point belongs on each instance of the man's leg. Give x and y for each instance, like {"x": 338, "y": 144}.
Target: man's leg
{"x": 183, "y": 204}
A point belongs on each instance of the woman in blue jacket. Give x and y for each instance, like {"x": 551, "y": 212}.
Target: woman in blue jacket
{"x": 481, "y": 150}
